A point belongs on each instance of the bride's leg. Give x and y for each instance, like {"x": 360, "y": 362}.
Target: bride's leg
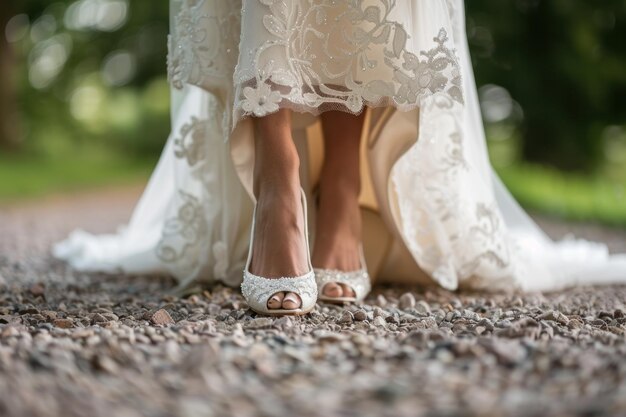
{"x": 279, "y": 247}
{"x": 338, "y": 225}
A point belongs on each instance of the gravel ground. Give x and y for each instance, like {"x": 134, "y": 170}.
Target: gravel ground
{"x": 74, "y": 344}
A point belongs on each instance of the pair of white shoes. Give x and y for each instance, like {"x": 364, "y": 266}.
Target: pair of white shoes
{"x": 258, "y": 290}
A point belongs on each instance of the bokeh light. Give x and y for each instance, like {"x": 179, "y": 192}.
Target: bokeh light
{"x": 118, "y": 68}
{"x": 17, "y": 27}
{"x": 47, "y": 58}
{"x": 102, "y": 15}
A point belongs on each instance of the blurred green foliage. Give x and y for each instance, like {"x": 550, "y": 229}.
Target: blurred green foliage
{"x": 110, "y": 86}
{"x": 564, "y": 62}
{"x": 88, "y": 82}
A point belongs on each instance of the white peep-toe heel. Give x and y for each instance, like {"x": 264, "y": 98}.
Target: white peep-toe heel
{"x": 358, "y": 280}
{"x": 258, "y": 290}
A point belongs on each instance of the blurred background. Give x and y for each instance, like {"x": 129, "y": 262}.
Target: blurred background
{"x": 84, "y": 99}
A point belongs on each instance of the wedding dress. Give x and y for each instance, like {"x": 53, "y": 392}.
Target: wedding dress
{"x": 433, "y": 209}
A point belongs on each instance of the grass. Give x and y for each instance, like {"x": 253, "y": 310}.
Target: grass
{"x": 30, "y": 175}
{"x": 546, "y": 190}
{"x": 569, "y": 196}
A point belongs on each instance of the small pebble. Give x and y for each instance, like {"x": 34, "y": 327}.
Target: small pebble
{"x": 37, "y": 289}
{"x": 346, "y": 317}
{"x": 381, "y": 301}
{"x": 284, "y": 322}
{"x": 422, "y": 307}
{"x": 161, "y": 318}
{"x": 63, "y": 323}
{"x": 260, "y": 323}
{"x": 360, "y": 315}
{"x": 99, "y": 318}
{"x": 407, "y": 301}
{"x": 379, "y": 321}
{"x": 10, "y": 331}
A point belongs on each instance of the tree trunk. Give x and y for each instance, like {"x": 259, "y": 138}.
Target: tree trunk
{"x": 9, "y": 116}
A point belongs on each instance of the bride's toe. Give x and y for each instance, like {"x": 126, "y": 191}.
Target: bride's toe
{"x": 291, "y": 301}
{"x": 275, "y": 302}
{"x": 332, "y": 289}
{"x": 347, "y": 290}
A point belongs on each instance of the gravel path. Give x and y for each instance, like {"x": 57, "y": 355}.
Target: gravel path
{"x": 74, "y": 344}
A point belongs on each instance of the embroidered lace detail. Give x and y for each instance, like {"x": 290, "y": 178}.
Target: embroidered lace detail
{"x": 452, "y": 227}
{"x": 339, "y": 54}
{"x": 260, "y": 100}
{"x": 191, "y": 142}
{"x": 359, "y": 280}
{"x": 183, "y": 233}
{"x": 488, "y": 233}
{"x": 200, "y": 46}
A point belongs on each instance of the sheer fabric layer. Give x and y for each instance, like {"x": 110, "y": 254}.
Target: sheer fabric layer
{"x": 433, "y": 186}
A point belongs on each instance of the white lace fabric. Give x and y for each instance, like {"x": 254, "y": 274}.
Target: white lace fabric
{"x": 230, "y": 60}
{"x": 318, "y": 55}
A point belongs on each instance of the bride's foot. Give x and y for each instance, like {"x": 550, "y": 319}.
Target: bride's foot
{"x": 279, "y": 249}
{"x": 278, "y": 278}
{"x": 337, "y": 250}
{"x": 338, "y": 236}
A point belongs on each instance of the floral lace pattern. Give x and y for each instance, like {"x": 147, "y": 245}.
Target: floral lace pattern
{"x": 343, "y": 54}
{"x": 453, "y": 229}
{"x": 191, "y": 142}
{"x": 182, "y": 232}
{"x": 201, "y": 43}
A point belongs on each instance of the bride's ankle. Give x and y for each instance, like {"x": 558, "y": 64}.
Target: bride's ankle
{"x": 278, "y": 191}
{"x": 280, "y": 179}
{"x": 339, "y": 188}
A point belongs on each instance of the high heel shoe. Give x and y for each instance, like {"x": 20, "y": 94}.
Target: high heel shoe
{"x": 258, "y": 290}
{"x": 358, "y": 280}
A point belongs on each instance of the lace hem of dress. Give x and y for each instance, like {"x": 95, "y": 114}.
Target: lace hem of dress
{"x": 299, "y": 107}
{"x": 411, "y": 79}
{"x": 453, "y": 228}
